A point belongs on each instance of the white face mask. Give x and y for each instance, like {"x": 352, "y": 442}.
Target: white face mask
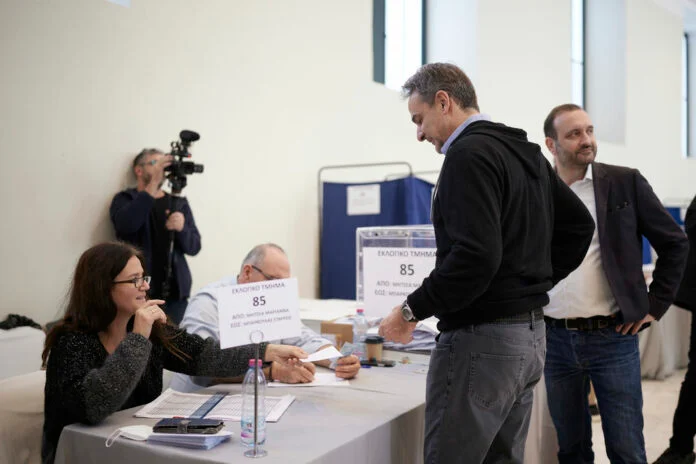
{"x": 134, "y": 432}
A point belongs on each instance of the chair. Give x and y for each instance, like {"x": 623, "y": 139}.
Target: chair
{"x": 22, "y": 418}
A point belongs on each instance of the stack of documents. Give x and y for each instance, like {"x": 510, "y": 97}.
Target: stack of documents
{"x": 211, "y": 406}
{"x": 423, "y": 335}
{"x": 190, "y": 440}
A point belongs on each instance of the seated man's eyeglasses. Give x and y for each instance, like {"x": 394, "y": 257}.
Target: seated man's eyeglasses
{"x": 266, "y": 276}
{"x": 137, "y": 281}
{"x": 151, "y": 162}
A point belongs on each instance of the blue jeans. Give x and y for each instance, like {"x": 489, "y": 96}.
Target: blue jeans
{"x": 612, "y": 362}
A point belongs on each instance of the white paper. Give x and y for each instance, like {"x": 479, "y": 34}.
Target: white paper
{"x": 391, "y": 274}
{"x": 172, "y": 403}
{"x": 259, "y": 311}
{"x": 363, "y": 200}
{"x": 321, "y": 379}
{"x": 327, "y": 353}
{"x": 230, "y": 408}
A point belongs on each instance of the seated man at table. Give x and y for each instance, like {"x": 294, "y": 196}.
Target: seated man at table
{"x": 264, "y": 262}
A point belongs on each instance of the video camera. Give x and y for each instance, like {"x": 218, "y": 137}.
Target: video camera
{"x": 179, "y": 169}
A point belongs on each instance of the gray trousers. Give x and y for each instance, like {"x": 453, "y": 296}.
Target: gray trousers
{"x": 480, "y": 390}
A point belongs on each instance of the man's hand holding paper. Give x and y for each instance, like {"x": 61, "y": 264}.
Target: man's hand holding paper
{"x": 298, "y": 372}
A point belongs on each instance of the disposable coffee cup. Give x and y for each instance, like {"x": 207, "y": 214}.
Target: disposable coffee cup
{"x": 373, "y": 346}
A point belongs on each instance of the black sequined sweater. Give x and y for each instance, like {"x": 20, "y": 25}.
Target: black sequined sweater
{"x": 84, "y": 383}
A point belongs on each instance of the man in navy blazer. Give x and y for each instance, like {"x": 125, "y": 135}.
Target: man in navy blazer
{"x": 681, "y": 444}
{"x": 595, "y": 313}
{"x": 145, "y": 216}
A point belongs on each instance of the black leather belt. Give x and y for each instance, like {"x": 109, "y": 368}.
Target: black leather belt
{"x": 584, "y": 324}
{"x": 536, "y": 314}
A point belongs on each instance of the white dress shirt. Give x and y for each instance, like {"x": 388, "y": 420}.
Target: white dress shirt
{"x": 585, "y": 292}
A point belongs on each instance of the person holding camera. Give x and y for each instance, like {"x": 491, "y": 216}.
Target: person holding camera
{"x": 162, "y": 226}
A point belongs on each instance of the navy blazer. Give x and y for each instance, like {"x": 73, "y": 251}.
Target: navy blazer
{"x": 130, "y": 213}
{"x": 686, "y": 296}
{"x": 627, "y": 209}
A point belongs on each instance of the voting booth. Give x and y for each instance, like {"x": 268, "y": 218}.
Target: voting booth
{"x": 348, "y": 206}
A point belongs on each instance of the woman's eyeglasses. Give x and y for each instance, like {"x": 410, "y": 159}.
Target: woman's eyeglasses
{"x": 137, "y": 281}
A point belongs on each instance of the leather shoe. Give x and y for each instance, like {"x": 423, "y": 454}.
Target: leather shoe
{"x": 671, "y": 456}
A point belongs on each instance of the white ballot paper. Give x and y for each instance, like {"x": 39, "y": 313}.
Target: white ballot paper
{"x": 321, "y": 379}
{"x": 259, "y": 311}
{"x": 327, "y": 353}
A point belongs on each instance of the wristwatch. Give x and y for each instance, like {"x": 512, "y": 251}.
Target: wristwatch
{"x": 406, "y": 313}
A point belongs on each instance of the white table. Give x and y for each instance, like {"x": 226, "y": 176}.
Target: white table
{"x": 314, "y": 312}
{"x": 664, "y": 346}
{"x": 377, "y": 419}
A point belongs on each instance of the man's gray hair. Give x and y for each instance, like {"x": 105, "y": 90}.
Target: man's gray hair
{"x": 433, "y": 77}
{"x": 143, "y": 153}
{"x": 257, "y": 254}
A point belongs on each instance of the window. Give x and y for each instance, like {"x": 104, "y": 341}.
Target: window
{"x": 605, "y": 67}
{"x": 686, "y": 148}
{"x": 398, "y": 39}
{"x": 577, "y": 53}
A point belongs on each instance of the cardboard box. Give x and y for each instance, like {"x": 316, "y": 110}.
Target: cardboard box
{"x": 343, "y": 332}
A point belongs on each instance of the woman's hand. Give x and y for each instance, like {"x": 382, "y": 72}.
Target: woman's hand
{"x": 284, "y": 353}
{"x": 148, "y": 314}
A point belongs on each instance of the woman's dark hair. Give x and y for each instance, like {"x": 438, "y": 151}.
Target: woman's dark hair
{"x": 90, "y": 308}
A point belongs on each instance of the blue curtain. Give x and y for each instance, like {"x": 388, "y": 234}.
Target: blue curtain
{"x": 675, "y": 211}
{"x": 402, "y": 202}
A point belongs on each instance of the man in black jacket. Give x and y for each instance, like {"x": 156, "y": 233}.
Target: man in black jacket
{"x": 146, "y": 216}
{"x": 596, "y": 312}
{"x": 681, "y": 445}
{"x": 507, "y": 228}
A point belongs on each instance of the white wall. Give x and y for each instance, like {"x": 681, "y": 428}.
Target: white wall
{"x": 452, "y": 34}
{"x": 524, "y": 61}
{"x": 277, "y": 88}
{"x": 653, "y": 95}
{"x": 524, "y": 71}
{"x": 605, "y": 67}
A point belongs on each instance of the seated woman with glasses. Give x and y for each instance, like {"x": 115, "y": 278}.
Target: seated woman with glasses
{"x": 108, "y": 351}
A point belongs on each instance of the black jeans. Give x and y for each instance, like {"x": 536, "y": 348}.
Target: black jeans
{"x": 684, "y": 425}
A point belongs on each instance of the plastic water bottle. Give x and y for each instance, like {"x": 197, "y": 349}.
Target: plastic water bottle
{"x": 360, "y": 327}
{"x": 247, "y": 422}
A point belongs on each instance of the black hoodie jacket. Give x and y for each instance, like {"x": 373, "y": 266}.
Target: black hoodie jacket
{"x": 507, "y": 230}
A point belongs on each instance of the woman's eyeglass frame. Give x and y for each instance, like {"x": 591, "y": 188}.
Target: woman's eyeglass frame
{"x": 143, "y": 280}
